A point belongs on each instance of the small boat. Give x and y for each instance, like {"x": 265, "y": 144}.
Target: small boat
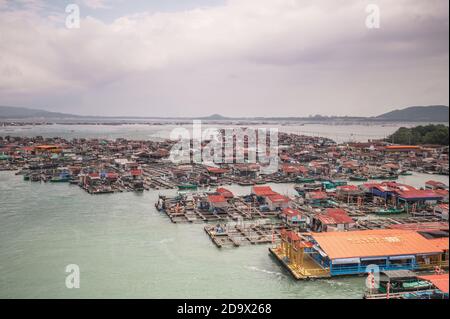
{"x": 384, "y": 177}
{"x": 304, "y": 180}
{"x": 245, "y": 183}
{"x": 339, "y": 182}
{"x": 358, "y": 178}
{"x": 60, "y": 179}
{"x": 390, "y": 211}
{"x": 390, "y": 177}
{"x": 187, "y": 186}
{"x": 328, "y": 185}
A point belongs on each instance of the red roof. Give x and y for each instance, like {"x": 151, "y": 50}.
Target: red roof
{"x": 293, "y": 168}
{"x": 334, "y": 216}
{"x": 216, "y": 199}
{"x": 278, "y": 198}
{"x": 318, "y": 195}
{"x": 224, "y": 192}
{"x": 442, "y": 192}
{"x": 434, "y": 183}
{"x": 325, "y": 219}
{"x": 439, "y": 281}
{"x": 289, "y": 212}
{"x": 262, "y": 191}
{"x": 394, "y": 147}
{"x": 424, "y": 194}
{"x": 216, "y": 170}
{"x": 339, "y": 215}
{"x": 136, "y": 172}
{"x": 293, "y": 236}
{"x": 347, "y": 188}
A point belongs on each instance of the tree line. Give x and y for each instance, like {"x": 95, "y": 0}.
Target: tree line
{"x": 422, "y": 134}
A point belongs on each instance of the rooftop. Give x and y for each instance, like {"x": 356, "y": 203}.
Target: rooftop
{"x": 374, "y": 243}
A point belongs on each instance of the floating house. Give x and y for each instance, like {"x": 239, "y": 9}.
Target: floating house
{"x": 316, "y": 198}
{"x": 403, "y": 195}
{"x": 346, "y": 253}
{"x": 350, "y": 253}
{"x": 333, "y": 219}
{"x": 216, "y": 171}
{"x": 435, "y": 185}
{"x": 224, "y": 192}
{"x": 294, "y": 218}
{"x": 277, "y": 201}
{"x": 402, "y": 148}
{"x": 293, "y": 170}
{"x": 349, "y": 193}
{"x": 217, "y": 201}
{"x": 47, "y": 149}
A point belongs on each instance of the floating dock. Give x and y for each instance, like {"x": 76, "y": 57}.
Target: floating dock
{"x": 243, "y": 234}
{"x": 309, "y": 269}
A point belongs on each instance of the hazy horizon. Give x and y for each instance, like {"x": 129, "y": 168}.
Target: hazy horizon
{"x": 236, "y": 58}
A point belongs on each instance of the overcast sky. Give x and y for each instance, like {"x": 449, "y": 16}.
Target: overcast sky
{"x": 232, "y": 57}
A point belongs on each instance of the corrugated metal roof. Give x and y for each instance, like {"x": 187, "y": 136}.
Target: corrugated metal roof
{"x": 372, "y": 243}
{"x": 440, "y": 281}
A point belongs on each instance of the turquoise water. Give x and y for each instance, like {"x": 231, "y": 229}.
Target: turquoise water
{"x": 337, "y": 132}
{"x": 126, "y": 249}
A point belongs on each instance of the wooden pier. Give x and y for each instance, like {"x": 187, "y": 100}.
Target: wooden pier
{"x": 243, "y": 234}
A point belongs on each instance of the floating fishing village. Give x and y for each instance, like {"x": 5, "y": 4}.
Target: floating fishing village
{"x": 349, "y": 214}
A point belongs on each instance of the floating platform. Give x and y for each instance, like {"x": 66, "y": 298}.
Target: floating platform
{"x": 309, "y": 269}
{"x": 238, "y": 235}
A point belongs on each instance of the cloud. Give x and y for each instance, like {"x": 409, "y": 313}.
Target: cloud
{"x": 95, "y": 4}
{"x": 240, "y": 46}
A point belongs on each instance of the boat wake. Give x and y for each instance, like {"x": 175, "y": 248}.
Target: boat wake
{"x": 264, "y": 271}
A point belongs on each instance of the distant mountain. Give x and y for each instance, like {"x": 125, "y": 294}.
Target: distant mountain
{"x": 215, "y": 117}
{"x": 22, "y": 112}
{"x": 432, "y": 113}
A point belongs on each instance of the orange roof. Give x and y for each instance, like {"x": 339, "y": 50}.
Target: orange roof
{"x": 46, "y": 147}
{"x": 440, "y": 243}
{"x": 263, "y": 191}
{"x": 426, "y": 226}
{"x": 389, "y": 147}
{"x": 224, "y": 192}
{"x": 216, "y": 199}
{"x": 439, "y": 281}
{"x": 216, "y": 170}
{"x": 373, "y": 243}
{"x": 278, "y": 198}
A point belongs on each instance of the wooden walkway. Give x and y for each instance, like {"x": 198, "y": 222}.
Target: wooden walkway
{"x": 243, "y": 234}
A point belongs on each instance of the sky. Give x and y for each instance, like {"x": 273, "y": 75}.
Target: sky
{"x": 228, "y": 57}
